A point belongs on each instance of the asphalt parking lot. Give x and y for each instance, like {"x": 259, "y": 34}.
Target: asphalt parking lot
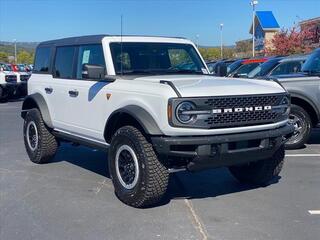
{"x": 72, "y": 198}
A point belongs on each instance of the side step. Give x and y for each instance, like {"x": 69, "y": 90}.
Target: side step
{"x": 81, "y": 140}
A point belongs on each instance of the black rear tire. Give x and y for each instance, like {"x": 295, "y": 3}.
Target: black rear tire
{"x": 40, "y": 144}
{"x": 152, "y": 176}
{"x": 261, "y": 172}
{"x": 303, "y": 125}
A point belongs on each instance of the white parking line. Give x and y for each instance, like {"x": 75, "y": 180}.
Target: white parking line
{"x": 314, "y": 212}
{"x": 303, "y": 155}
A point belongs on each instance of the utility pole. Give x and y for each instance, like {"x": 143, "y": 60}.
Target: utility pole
{"x": 197, "y": 40}
{"x": 15, "y": 50}
{"x": 221, "y": 40}
{"x": 253, "y": 3}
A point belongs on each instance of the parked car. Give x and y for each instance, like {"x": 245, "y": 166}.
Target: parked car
{"x": 278, "y": 66}
{"x": 304, "y": 89}
{"x": 243, "y": 67}
{"x": 212, "y": 64}
{"x": 22, "y": 78}
{"x": 8, "y": 82}
{"x": 153, "y": 111}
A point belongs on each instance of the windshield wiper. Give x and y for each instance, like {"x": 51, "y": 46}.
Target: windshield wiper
{"x": 138, "y": 72}
{"x": 184, "y": 71}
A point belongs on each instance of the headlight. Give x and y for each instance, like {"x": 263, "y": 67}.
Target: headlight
{"x": 183, "y": 113}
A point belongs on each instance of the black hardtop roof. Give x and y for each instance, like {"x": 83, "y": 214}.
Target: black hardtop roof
{"x": 90, "y": 39}
{"x": 74, "y": 40}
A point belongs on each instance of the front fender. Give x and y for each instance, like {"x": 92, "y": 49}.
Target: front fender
{"x": 36, "y": 100}
{"x": 144, "y": 118}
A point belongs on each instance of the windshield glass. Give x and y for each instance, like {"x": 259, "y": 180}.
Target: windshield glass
{"x": 21, "y": 68}
{"x": 245, "y": 69}
{"x": 234, "y": 66}
{"x": 263, "y": 69}
{"x": 5, "y": 67}
{"x": 312, "y": 65}
{"x": 156, "y": 58}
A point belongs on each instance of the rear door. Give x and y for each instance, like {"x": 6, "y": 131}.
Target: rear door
{"x": 82, "y": 99}
{"x": 63, "y": 73}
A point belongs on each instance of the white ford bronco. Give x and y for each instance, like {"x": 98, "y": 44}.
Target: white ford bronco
{"x": 151, "y": 103}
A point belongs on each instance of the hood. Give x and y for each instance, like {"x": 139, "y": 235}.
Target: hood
{"x": 202, "y": 85}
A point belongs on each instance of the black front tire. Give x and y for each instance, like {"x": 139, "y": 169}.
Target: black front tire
{"x": 303, "y": 125}
{"x": 261, "y": 172}
{"x": 3, "y": 95}
{"x": 45, "y": 149}
{"x": 152, "y": 175}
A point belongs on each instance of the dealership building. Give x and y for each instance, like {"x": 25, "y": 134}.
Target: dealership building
{"x": 312, "y": 25}
{"x": 266, "y": 26}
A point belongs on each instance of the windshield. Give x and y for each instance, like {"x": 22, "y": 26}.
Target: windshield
{"x": 245, "y": 69}
{"x": 263, "y": 69}
{"x": 156, "y": 58}
{"x": 5, "y": 67}
{"x": 21, "y": 68}
{"x": 234, "y": 66}
{"x": 312, "y": 65}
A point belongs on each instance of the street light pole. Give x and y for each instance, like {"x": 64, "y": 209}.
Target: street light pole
{"x": 221, "y": 41}
{"x": 253, "y": 3}
{"x": 197, "y": 40}
{"x": 15, "y": 50}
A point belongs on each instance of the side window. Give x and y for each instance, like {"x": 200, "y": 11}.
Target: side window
{"x": 42, "y": 60}
{"x": 63, "y": 64}
{"x": 280, "y": 70}
{"x": 89, "y": 54}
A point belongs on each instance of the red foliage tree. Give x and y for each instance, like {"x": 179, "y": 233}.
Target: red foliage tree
{"x": 290, "y": 41}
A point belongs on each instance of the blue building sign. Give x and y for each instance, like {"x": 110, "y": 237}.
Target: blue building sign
{"x": 265, "y": 23}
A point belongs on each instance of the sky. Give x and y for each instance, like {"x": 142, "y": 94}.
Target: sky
{"x": 40, "y": 20}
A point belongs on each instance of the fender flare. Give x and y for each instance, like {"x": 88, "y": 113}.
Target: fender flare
{"x": 38, "y": 101}
{"x": 306, "y": 99}
{"x": 142, "y": 116}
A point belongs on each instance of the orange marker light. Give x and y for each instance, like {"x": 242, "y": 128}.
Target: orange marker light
{"x": 108, "y": 95}
{"x": 169, "y": 112}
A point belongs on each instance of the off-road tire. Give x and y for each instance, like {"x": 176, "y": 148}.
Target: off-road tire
{"x": 261, "y": 172}
{"x": 298, "y": 141}
{"x": 153, "y": 176}
{"x": 47, "y": 143}
{"x": 3, "y": 95}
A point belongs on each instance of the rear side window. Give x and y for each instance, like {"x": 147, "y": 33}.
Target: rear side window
{"x": 287, "y": 68}
{"x": 89, "y": 54}
{"x": 42, "y": 60}
{"x": 63, "y": 64}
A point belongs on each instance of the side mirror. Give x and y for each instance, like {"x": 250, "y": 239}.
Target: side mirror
{"x": 220, "y": 69}
{"x": 91, "y": 71}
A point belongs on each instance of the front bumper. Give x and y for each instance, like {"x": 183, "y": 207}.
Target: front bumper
{"x": 9, "y": 89}
{"x": 206, "y": 152}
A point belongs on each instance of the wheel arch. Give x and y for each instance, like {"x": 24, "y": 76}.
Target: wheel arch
{"x": 307, "y": 104}
{"x": 131, "y": 115}
{"x": 36, "y": 100}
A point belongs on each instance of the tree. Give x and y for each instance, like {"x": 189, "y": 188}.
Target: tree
{"x": 289, "y": 41}
{"x": 25, "y": 57}
{"x": 214, "y": 53}
{"x": 3, "y": 57}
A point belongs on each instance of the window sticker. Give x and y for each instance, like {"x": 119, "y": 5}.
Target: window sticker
{"x": 85, "y": 56}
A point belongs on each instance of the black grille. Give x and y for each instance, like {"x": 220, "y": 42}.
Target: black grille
{"x": 24, "y": 78}
{"x": 244, "y": 118}
{"x": 11, "y": 78}
{"x": 235, "y": 111}
{"x": 246, "y": 101}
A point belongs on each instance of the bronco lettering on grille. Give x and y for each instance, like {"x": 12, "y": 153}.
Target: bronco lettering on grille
{"x": 245, "y": 109}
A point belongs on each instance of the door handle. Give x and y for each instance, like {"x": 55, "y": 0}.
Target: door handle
{"x": 73, "y": 93}
{"x": 48, "y": 90}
